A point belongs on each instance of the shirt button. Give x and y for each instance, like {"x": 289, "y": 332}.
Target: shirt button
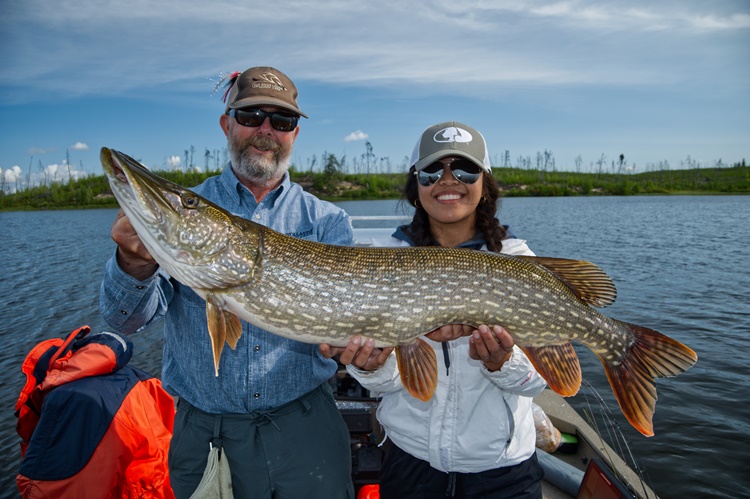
{"x": 256, "y": 348}
{"x": 140, "y": 287}
{"x": 256, "y": 395}
{"x": 124, "y": 312}
{"x": 257, "y": 217}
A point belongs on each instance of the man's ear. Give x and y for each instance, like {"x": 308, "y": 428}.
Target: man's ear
{"x": 224, "y": 122}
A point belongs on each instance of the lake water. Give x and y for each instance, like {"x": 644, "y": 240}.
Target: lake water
{"x": 681, "y": 266}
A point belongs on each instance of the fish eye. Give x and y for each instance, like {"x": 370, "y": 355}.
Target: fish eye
{"x": 190, "y": 201}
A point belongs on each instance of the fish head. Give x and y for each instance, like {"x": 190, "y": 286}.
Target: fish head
{"x": 197, "y": 242}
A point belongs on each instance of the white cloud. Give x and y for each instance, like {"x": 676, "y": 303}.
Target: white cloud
{"x": 80, "y": 146}
{"x": 9, "y": 178}
{"x": 173, "y": 162}
{"x": 11, "y": 174}
{"x": 58, "y": 173}
{"x": 358, "y": 135}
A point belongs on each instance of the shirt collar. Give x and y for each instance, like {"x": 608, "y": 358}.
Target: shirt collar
{"x": 476, "y": 242}
{"x": 233, "y": 186}
{"x": 402, "y": 233}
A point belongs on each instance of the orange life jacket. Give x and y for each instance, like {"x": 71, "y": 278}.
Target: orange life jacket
{"x": 92, "y": 426}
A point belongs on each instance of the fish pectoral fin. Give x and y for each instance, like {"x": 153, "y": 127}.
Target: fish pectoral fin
{"x": 217, "y": 328}
{"x": 417, "y": 366}
{"x": 222, "y": 326}
{"x": 234, "y": 329}
{"x": 558, "y": 365}
{"x": 586, "y": 280}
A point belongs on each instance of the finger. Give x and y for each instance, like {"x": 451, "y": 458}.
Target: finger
{"x": 449, "y": 332}
{"x": 473, "y": 349}
{"x": 362, "y": 357}
{"x": 350, "y": 351}
{"x": 479, "y": 345}
{"x": 436, "y": 334}
{"x": 329, "y": 351}
{"x": 505, "y": 339}
{"x": 383, "y": 356}
{"x": 325, "y": 350}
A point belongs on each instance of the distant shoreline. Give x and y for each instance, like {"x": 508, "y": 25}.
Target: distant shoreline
{"x": 94, "y": 191}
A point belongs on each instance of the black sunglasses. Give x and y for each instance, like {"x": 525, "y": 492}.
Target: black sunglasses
{"x": 254, "y": 117}
{"x": 463, "y": 170}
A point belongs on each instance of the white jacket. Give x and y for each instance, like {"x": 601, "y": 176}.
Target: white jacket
{"x": 477, "y": 420}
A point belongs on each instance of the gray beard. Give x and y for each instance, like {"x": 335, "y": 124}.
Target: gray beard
{"x": 257, "y": 169}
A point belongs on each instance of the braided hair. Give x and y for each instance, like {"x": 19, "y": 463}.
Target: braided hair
{"x": 487, "y": 223}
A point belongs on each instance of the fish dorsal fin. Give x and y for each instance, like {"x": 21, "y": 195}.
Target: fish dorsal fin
{"x": 558, "y": 365}
{"x": 586, "y": 280}
{"x": 417, "y": 366}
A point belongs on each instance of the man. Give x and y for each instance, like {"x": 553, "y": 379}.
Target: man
{"x": 270, "y": 408}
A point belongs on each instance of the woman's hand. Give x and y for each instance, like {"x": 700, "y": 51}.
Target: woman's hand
{"x": 360, "y": 352}
{"x": 450, "y": 332}
{"x": 492, "y": 347}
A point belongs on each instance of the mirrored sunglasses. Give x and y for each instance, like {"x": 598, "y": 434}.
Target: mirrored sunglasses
{"x": 463, "y": 170}
{"x": 253, "y": 117}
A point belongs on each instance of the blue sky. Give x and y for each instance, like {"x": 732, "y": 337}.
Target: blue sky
{"x": 655, "y": 81}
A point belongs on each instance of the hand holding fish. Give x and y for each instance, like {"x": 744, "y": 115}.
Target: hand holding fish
{"x": 132, "y": 256}
{"x": 450, "y": 332}
{"x": 493, "y": 347}
{"x": 360, "y": 352}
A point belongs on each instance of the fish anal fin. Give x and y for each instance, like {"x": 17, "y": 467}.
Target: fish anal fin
{"x": 417, "y": 365}
{"x": 234, "y": 329}
{"x": 217, "y": 328}
{"x": 558, "y": 365}
{"x": 585, "y": 279}
{"x": 651, "y": 355}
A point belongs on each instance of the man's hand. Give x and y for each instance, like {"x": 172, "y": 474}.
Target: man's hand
{"x": 493, "y": 347}
{"x": 360, "y": 352}
{"x": 132, "y": 255}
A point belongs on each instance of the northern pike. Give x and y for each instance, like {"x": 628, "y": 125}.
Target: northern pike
{"x": 318, "y": 293}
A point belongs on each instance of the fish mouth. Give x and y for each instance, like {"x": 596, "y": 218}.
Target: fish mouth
{"x": 158, "y": 198}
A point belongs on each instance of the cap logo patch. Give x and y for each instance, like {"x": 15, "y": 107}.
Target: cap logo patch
{"x": 268, "y": 80}
{"x": 453, "y": 134}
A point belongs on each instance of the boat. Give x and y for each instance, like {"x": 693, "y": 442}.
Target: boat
{"x": 586, "y": 467}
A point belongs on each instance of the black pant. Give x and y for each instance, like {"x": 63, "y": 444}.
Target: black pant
{"x": 405, "y": 477}
{"x": 299, "y": 450}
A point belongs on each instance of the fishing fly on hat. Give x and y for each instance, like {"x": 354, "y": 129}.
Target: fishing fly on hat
{"x": 451, "y": 138}
{"x": 261, "y": 86}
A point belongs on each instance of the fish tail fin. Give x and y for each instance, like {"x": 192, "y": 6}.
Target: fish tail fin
{"x": 417, "y": 365}
{"x": 558, "y": 365}
{"x": 651, "y": 355}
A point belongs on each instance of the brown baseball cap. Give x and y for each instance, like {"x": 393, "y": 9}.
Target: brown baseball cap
{"x": 450, "y": 138}
{"x": 263, "y": 85}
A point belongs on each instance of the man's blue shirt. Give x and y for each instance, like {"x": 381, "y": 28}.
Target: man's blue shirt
{"x": 265, "y": 370}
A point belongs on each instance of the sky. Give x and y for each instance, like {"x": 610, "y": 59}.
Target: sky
{"x": 661, "y": 83}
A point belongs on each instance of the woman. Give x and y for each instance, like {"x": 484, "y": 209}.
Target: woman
{"x": 475, "y": 437}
